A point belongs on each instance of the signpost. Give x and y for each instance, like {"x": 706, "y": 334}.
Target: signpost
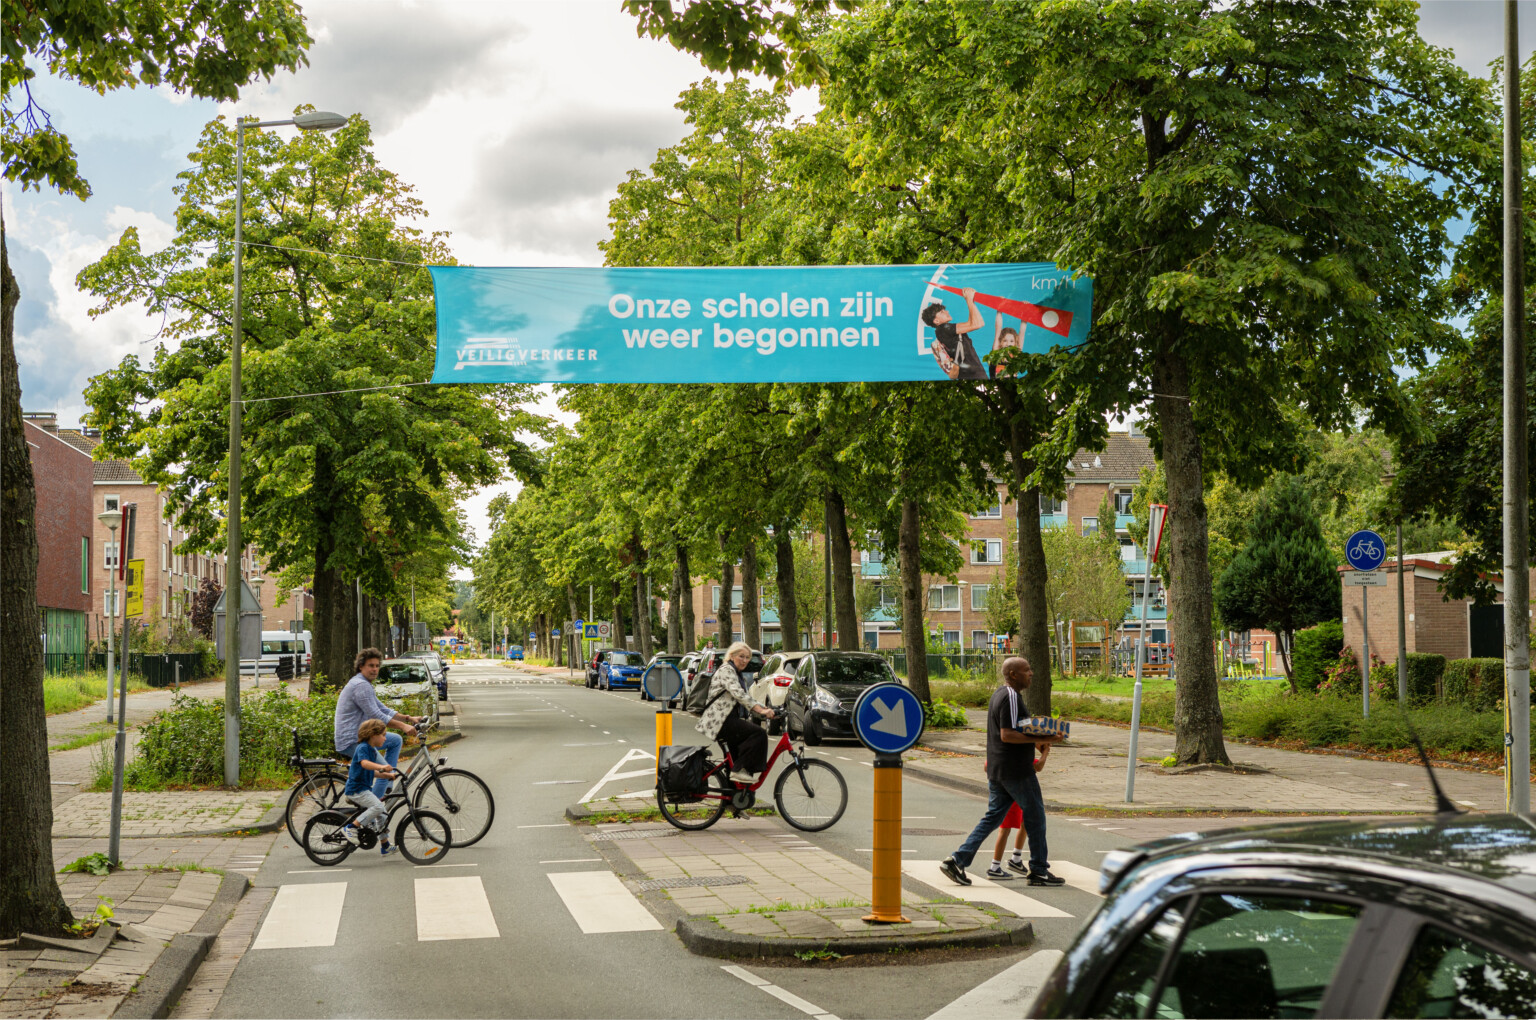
{"x": 1155, "y": 523}
{"x": 604, "y": 628}
{"x": 135, "y": 587}
{"x": 1366, "y": 551}
{"x": 590, "y": 632}
{"x": 888, "y": 719}
{"x": 662, "y": 682}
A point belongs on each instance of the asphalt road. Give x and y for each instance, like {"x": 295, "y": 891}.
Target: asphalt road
{"x": 541, "y": 745}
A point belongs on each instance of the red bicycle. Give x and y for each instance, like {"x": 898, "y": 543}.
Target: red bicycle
{"x": 810, "y": 793}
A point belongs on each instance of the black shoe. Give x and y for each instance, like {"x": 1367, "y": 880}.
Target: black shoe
{"x": 997, "y": 874}
{"x": 1045, "y": 878}
{"x": 954, "y": 872}
{"x": 1015, "y": 864}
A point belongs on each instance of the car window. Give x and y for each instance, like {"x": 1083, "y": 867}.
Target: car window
{"x": 402, "y": 673}
{"x": 807, "y": 672}
{"x": 1257, "y": 956}
{"x": 1447, "y": 975}
{"x": 1127, "y": 990}
{"x": 625, "y": 659}
{"x": 773, "y": 663}
{"x": 853, "y": 672}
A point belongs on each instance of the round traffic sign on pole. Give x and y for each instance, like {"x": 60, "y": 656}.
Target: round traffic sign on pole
{"x": 888, "y": 718}
{"x": 1365, "y": 550}
{"x": 662, "y": 682}
{"x": 604, "y": 629}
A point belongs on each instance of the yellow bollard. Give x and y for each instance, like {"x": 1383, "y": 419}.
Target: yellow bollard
{"x": 885, "y": 894}
{"x": 663, "y": 735}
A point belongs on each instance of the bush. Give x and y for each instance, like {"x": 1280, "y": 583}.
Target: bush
{"x": 942, "y": 714}
{"x": 1476, "y": 683}
{"x": 1342, "y": 676}
{"x": 1313, "y": 651}
{"x": 185, "y": 743}
{"x": 1424, "y": 672}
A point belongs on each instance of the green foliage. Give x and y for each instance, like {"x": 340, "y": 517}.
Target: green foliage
{"x": 1342, "y": 677}
{"x": 1313, "y": 650}
{"x": 1476, "y": 683}
{"x": 71, "y": 692}
{"x": 941, "y": 714}
{"x": 93, "y": 864}
{"x": 1084, "y": 580}
{"x": 185, "y": 743}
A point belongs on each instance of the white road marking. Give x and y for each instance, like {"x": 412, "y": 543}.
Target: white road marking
{"x": 1006, "y": 994}
{"x": 790, "y": 998}
{"x": 546, "y": 825}
{"x": 303, "y": 915}
{"x": 573, "y": 860}
{"x": 453, "y": 908}
{"x": 1024, "y": 906}
{"x": 1077, "y": 876}
{"x": 613, "y": 774}
{"x": 599, "y": 903}
{"x": 557, "y": 782}
{"x": 440, "y": 867}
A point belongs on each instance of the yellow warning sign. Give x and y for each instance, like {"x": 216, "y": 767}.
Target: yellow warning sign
{"x": 135, "y": 587}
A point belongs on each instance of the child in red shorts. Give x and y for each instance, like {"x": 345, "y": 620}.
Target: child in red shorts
{"x": 1014, "y": 820}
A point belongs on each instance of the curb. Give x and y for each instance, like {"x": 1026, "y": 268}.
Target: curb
{"x": 704, "y": 937}
{"x": 156, "y": 993}
{"x": 578, "y": 813}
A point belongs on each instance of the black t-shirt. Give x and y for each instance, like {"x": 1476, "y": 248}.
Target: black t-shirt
{"x": 961, "y": 352}
{"x": 1007, "y": 761}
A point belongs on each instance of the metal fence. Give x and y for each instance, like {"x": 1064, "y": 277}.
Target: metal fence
{"x": 157, "y": 668}
{"x": 942, "y": 665}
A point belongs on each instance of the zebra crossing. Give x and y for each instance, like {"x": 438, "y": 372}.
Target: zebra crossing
{"x": 308, "y": 915}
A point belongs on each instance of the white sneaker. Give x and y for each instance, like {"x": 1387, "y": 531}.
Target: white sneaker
{"x": 743, "y": 776}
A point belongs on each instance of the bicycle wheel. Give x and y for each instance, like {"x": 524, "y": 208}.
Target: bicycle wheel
{"x": 463, "y": 799}
{"x": 318, "y": 792}
{"x": 811, "y": 796}
{"x": 323, "y": 842}
{"x": 423, "y": 837}
{"x": 695, "y": 813}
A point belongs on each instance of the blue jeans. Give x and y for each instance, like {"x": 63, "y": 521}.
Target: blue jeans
{"x": 1001, "y": 795}
{"x": 392, "y": 744}
{"x": 373, "y": 813}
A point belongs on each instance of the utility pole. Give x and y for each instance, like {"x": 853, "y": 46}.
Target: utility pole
{"x": 362, "y": 633}
{"x": 1517, "y": 589}
{"x": 120, "y": 745}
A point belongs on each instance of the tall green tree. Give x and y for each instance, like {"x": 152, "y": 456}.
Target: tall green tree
{"x": 346, "y": 452}
{"x": 1285, "y": 578}
{"x": 193, "y": 48}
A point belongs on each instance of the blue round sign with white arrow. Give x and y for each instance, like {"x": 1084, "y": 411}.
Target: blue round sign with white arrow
{"x": 888, "y": 718}
{"x": 1365, "y": 550}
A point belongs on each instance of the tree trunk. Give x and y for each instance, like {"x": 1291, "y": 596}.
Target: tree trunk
{"x": 842, "y": 574}
{"x": 913, "y": 639}
{"x": 335, "y": 630}
{"x": 619, "y": 640}
{"x": 570, "y": 603}
{"x": 1196, "y": 707}
{"x": 789, "y": 607}
{"x": 378, "y": 622}
{"x": 751, "y": 612}
{"x": 642, "y": 618}
{"x": 724, "y": 629}
{"x": 675, "y": 610}
{"x": 29, "y": 893}
{"x": 1029, "y": 583}
{"x": 687, "y": 622}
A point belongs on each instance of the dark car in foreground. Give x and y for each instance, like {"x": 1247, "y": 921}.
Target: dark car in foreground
{"x": 1416, "y": 917}
{"x": 820, "y": 701}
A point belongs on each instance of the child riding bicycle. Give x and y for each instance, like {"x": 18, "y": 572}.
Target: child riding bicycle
{"x": 366, "y": 767}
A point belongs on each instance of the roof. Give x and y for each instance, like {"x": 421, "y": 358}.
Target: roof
{"x": 104, "y": 470}
{"x": 1121, "y": 460}
{"x": 1494, "y": 848}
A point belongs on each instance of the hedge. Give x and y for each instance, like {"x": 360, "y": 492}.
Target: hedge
{"x": 185, "y": 743}
{"x": 1424, "y": 672}
{"x": 1313, "y": 651}
{"x": 1475, "y": 683}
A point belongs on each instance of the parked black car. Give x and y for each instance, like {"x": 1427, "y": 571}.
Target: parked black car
{"x": 1416, "y": 917}
{"x": 697, "y": 694}
{"x": 820, "y": 701}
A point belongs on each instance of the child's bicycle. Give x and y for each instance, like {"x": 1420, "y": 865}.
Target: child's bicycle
{"x": 810, "y": 793}
{"x": 422, "y": 836}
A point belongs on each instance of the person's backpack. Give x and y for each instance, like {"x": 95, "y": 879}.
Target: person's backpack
{"x": 681, "y": 771}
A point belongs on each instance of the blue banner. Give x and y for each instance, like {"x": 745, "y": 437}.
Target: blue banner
{"x": 750, "y": 324}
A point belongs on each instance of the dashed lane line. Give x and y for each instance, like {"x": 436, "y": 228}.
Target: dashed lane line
{"x": 790, "y": 998}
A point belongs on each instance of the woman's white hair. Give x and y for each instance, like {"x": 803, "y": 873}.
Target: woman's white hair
{"x": 738, "y": 646}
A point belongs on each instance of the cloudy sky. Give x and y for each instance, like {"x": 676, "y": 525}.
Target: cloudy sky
{"x": 513, "y": 120}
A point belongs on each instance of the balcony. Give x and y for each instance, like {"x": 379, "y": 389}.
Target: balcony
{"x": 1154, "y": 612}
{"x": 1135, "y": 567}
{"x": 1053, "y": 520}
{"x": 872, "y": 570}
{"x": 1124, "y": 521}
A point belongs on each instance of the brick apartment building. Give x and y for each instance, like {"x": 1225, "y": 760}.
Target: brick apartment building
{"x": 170, "y": 577}
{"x": 62, "y": 474}
{"x": 958, "y": 607}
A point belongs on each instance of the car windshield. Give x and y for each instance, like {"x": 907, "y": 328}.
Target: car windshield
{"x": 852, "y": 672}
{"x": 278, "y": 648}
{"x": 402, "y": 673}
{"x": 624, "y": 659}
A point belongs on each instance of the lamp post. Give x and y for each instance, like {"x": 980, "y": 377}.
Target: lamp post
{"x": 111, "y": 518}
{"x": 962, "y": 585}
{"x": 261, "y": 625}
{"x": 298, "y": 628}
{"x": 304, "y": 122}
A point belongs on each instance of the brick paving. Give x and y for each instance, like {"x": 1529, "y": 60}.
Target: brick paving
{"x": 833, "y": 923}
{"x": 164, "y": 814}
{"x": 202, "y": 996}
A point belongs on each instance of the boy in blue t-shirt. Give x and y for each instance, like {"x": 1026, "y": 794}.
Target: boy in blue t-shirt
{"x": 359, "y": 788}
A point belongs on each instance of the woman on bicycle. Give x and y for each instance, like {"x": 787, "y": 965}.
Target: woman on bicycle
{"x": 747, "y": 741}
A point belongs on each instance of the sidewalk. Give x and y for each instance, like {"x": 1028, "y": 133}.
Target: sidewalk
{"x": 1088, "y": 771}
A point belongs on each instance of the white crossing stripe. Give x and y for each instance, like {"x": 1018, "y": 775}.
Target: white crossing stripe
{"x": 1077, "y": 876}
{"x": 453, "y": 908}
{"x": 599, "y": 903}
{"x": 1007, "y": 994}
{"x": 981, "y": 891}
{"x": 303, "y": 915}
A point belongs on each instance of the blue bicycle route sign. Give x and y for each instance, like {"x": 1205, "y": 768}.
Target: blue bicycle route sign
{"x": 888, "y": 718}
{"x": 1365, "y": 550}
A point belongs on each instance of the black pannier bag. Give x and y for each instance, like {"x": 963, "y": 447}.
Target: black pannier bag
{"x": 682, "y": 770}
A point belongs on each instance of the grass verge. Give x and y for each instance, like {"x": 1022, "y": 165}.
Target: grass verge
{"x": 85, "y": 739}
{"x": 74, "y": 691}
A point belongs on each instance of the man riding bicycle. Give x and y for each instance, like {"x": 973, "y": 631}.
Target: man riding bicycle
{"x": 358, "y": 702}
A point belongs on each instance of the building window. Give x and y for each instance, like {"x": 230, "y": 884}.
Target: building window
{"x": 85, "y": 565}
{"x": 995, "y": 510}
{"x": 951, "y": 637}
{"x": 1123, "y": 501}
{"x": 109, "y": 555}
{"x": 874, "y": 555}
{"x": 165, "y": 604}
{"x": 889, "y": 596}
{"x": 987, "y": 550}
{"x": 1052, "y": 505}
{"x": 109, "y": 603}
{"x": 944, "y": 596}
{"x": 1127, "y": 550}
{"x": 1090, "y": 525}
{"x": 979, "y": 594}
{"x": 981, "y": 639}
{"x": 714, "y": 602}
{"x": 110, "y": 503}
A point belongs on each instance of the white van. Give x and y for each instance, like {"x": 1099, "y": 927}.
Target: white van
{"x": 274, "y": 645}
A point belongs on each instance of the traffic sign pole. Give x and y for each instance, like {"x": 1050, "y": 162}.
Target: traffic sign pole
{"x": 1366, "y": 551}
{"x": 1158, "y": 515}
{"x": 1365, "y": 665}
{"x": 667, "y": 686}
{"x": 885, "y": 889}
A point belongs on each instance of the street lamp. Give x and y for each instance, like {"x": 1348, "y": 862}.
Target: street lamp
{"x": 316, "y": 121}
{"x": 112, "y": 519}
{"x": 261, "y": 625}
{"x": 298, "y": 628}
{"x": 962, "y": 585}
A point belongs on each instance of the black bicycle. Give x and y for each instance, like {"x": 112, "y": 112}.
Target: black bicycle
{"x": 457, "y": 794}
{"x": 423, "y": 837}
{"x": 319, "y": 787}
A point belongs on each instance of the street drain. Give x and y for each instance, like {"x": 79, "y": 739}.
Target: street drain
{"x": 931, "y": 832}
{"x": 634, "y": 834}
{"x": 683, "y": 883}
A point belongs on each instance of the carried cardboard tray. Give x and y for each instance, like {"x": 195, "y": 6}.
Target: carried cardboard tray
{"x": 1045, "y": 726}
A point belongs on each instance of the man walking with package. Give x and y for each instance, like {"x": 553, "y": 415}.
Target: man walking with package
{"x": 1010, "y": 779}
